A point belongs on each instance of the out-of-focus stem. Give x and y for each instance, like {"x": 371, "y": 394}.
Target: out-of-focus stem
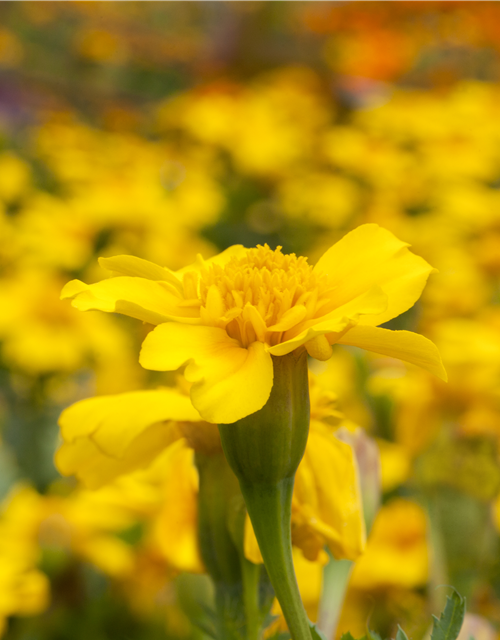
{"x": 335, "y": 579}
{"x": 251, "y": 578}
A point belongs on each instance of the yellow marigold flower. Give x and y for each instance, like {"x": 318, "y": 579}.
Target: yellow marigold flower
{"x": 397, "y": 554}
{"x": 23, "y": 590}
{"x": 225, "y": 317}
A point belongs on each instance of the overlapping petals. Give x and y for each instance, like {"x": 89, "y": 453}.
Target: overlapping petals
{"x": 228, "y": 379}
{"x": 225, "y": 317}
{"x": 108, "y": 436}
{"x": 151, "y": 301}
{"x": 368, "y": 256}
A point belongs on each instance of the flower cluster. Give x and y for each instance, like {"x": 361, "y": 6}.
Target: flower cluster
{"x": 277, "y": 164}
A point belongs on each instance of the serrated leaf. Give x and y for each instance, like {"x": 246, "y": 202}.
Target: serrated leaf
{"x": 372, "y": 635}
{"x": 349, "y": 636}
{"x": 448, "y": 626}
{"x": 316, "y": 633}
{"x": 401, "y": 635}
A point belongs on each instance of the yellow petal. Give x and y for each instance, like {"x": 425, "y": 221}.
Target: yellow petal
{"x": 83, "y": 458}
{"x": 25, "y": 591}
{"x": 113, "y": 556}
{"x": 250, "y": 544}
{"x": 403, "y": 345}
{"x": 176, "y": 529}
{"x": 230, "y": 382}
{"x": 335, "y": 323}
{"x": 370, "y": 256}
{"x": 221, "y": 259}
{"x": 132, "y": 266}
{"x": 251, "y": 314}
{"x": 290, "y": 318}
{"x": 214, "y": 303}
{"x": 147, "y": 300}
{"x": 336, "y": 512}
{"x": 334, "y": 326}
{"x": 115, "y": 421}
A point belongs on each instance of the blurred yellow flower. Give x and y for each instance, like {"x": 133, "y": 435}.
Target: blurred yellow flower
{"x": 397, "y": 553}
{"x": 395, "y": 464}
{"x": 15, "y": 177}
{"x": 41, "y": 335}
{"x": 24, "y": 590}
{"x": 225, "y": 317}
{"x": 268, "y": 127}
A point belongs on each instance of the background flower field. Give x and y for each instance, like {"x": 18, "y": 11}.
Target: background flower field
{"x": 168, "y": 129}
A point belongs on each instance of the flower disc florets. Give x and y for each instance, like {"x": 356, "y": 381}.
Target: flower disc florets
{"x": 261, "y": 295}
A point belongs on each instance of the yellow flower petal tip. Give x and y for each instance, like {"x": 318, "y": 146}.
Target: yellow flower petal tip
{"x": 72, "y": 288}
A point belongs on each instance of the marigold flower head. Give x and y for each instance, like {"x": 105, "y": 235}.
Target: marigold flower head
{"x": 262, "y": 295}
{"x": 226, "y": 317}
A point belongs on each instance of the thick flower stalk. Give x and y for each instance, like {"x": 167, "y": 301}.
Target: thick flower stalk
{"x": 243, "y": 323}
{"x": 264, "y": 450}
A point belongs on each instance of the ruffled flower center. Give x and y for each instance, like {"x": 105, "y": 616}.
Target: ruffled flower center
{"x": 262, "y": 295}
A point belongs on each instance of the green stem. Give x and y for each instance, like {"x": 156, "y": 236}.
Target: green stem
{"x": 218, "y": 488}
{"x": 269, "y": 507}
{"x": 438, "y": 573}
{"x": 251, "y": 579}
{"x": 335, "y": 579}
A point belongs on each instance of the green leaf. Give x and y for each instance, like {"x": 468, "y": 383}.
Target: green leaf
{"x": 450, "y": 622}
{"x": 316, "y": 633}
{"x": 348, "y": 636}
{"x": 372, "y": 635}
{"x": 401, "y": 635}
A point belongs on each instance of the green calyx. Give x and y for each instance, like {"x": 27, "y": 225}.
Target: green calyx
{"x": 264, "y": 451}
{"x": 267, "y": 446}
